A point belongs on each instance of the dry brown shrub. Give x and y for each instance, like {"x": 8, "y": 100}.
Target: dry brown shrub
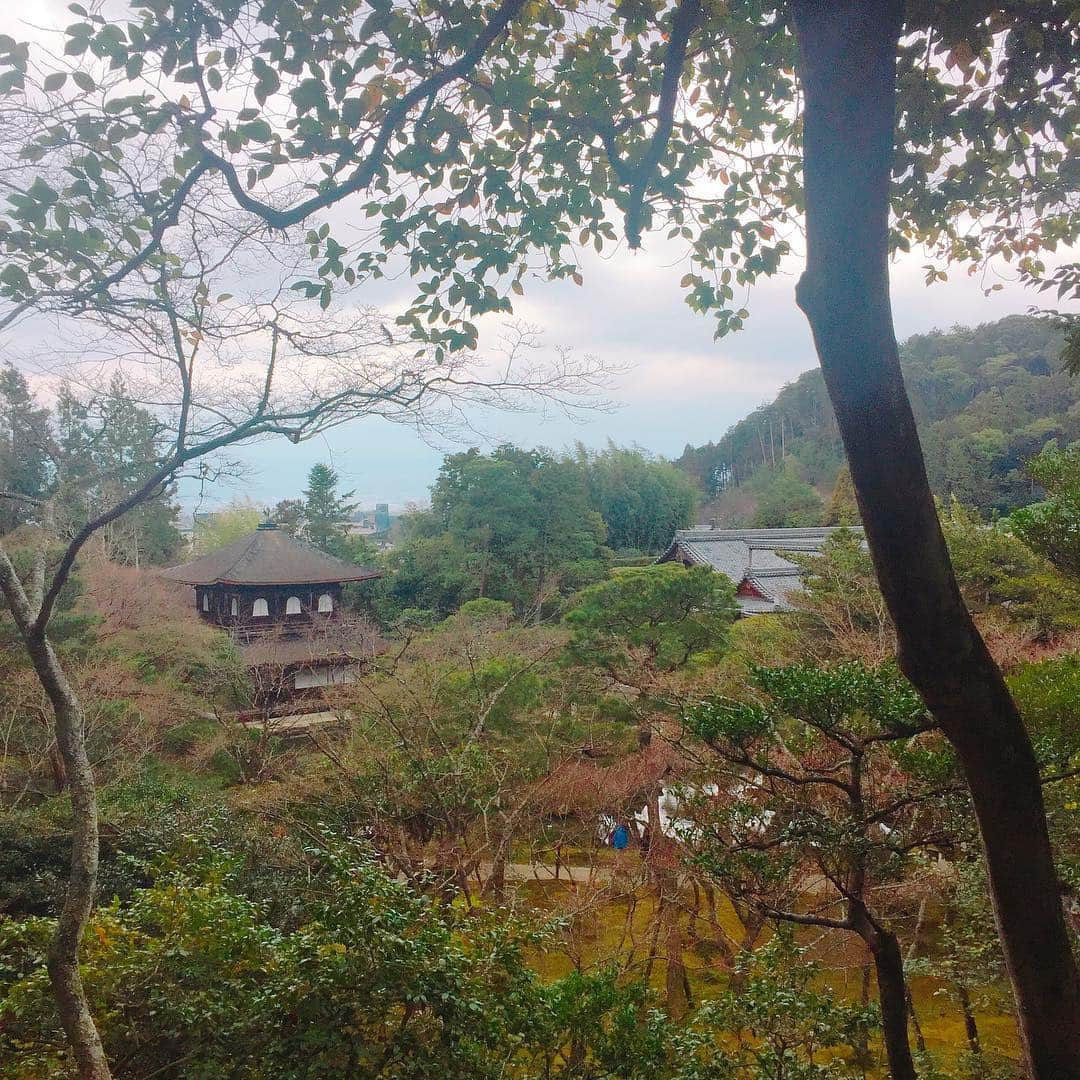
{"x": 1012, "y": 645}
{"x": 129, "y": 599}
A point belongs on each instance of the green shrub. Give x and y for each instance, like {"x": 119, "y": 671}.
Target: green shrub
{"x": 1048, "y": 695}
{"x": 183, "y": 738}
{"x": 187, "y": 656}
{"x": 192, "y": 978}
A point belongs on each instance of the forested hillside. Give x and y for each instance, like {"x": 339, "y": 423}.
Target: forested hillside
{"x": 986, "y": 399}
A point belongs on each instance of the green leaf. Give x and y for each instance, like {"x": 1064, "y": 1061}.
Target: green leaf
{"x": 308, "y": 95}
{"x": 267, "y": 80}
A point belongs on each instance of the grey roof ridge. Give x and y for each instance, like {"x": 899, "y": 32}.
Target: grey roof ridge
{"x": 786, "y": 543}
{"x": 808, "y": 532}
{"x": 696, "y": 556}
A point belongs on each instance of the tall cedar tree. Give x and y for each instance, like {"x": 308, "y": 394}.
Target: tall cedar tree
{"x": 109, "y": 446}
{"x": 326, "y": 510}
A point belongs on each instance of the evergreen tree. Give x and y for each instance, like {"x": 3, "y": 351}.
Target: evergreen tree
{"x": 109, "y": 446}
{"x": 326, "y": 511}
{"x": 25, "y": 440}
{"x": 641, "y": 499}
{"x": 843, "y": 509}
{"x": 788, "y": 501}
{"x": 646, "y": 622}
{"x": 524, "y": 519}
{"x": 1052, "y": 527}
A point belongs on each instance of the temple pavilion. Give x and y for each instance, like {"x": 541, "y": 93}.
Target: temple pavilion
{"x": 752, "y": 559}
{"x": 281, "y": 600}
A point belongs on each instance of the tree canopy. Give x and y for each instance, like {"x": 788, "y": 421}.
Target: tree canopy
{"x": 648, "y": 621}
{"x": 523, "y": 521}
{"x": 641, "y": 499}
{"x": 25, "y": 436}
{"x": 478, "y": 143}
{"x": 1052, "y": 527}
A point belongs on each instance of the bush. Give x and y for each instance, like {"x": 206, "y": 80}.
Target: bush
{"x": 183, "y": 738}
{"x": 190, "y": 980}
{"x": 35, "y": 863}
{"x": 188, "y": 656}
{"x": 1048, "y": 696}
{"x": 995, "y": 568}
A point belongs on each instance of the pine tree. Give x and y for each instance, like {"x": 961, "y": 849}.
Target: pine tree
{"x": 326, "y": 511}
{"x": 843, "y": 509}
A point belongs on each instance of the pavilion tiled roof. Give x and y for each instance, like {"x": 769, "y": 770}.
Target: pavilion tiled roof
{"x": 752, "y": 556}
{"x": 268, "y": 556}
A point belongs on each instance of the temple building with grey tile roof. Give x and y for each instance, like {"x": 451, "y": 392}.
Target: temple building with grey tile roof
{"x": 281, "y": 600}
{"x": 752, "y": 559}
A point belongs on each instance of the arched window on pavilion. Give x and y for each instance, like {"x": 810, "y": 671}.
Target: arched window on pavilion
{"x": 326, "y": 604}
{"x": 260, "y": 608}
{"x": 234, "y": 606}
{"x": 292, "y": 605}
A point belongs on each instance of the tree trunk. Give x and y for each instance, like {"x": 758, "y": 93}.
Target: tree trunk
{"x": 971, "y": 1027}
{"x": 676, "y": 997}
{"x": 916, "y": 934}
{"x": 495, "y": 886}
{"x": 920, "y": 1038}
{"x": 63, "y": 956}
{"x": 848, "y": 52}
{"x": 676, "y": 981}
{"x": 892, "y": 996}
{"x": 63, "y": 953}
{"x": 861, "y": 1046}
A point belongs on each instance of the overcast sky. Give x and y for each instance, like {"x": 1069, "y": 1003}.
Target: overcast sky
{"x": 679, "y": 385}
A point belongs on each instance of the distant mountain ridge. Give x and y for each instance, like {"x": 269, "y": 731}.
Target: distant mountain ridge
{"x": 986, "y": 399}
